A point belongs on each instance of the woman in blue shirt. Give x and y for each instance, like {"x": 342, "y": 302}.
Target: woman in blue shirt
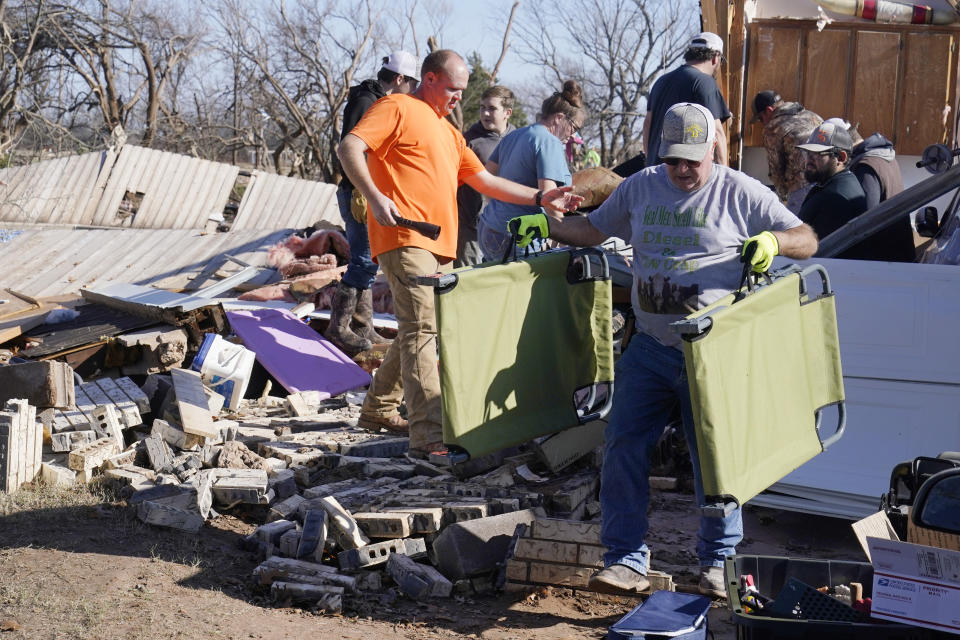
{"x": 534, "y": 156}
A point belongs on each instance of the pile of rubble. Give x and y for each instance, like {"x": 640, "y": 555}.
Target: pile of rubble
{"x": 340, "y": 511}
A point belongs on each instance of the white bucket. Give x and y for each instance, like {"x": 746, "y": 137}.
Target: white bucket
{"x": 225, "y": 367}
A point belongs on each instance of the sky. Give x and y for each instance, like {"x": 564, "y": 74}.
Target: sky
{"x": 478, "y": 25}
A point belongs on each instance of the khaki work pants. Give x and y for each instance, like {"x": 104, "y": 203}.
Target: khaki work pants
{"x": 414, "y": 350}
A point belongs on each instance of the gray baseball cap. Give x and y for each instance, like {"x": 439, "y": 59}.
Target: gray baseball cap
{"x": 827, "y": 136}
{"x": 688, "y": 131}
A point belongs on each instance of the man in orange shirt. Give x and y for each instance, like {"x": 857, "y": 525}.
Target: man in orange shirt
{"x": 414, "y": 162}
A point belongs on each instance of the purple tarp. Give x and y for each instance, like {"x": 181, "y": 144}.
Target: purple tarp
{"x": 296, "y": 355}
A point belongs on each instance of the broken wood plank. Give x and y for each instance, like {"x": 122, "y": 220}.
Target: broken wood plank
{"x": 192, "y": 402}
{"x": 16, "y": 303}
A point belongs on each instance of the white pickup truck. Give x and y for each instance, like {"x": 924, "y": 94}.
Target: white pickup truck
{"x": 898, "y": 322}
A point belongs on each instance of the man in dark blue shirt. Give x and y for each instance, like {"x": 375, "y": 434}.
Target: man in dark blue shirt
{"x": 692, "y": 82}
{"x": 837, "y": 197}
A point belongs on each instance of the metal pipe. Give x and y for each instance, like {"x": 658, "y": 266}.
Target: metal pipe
{"x": 887, "y": 212}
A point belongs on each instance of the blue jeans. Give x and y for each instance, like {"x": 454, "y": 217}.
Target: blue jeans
{"x": 361, "y": 269}
{"x": 494, "y": 243}
{"x": 650, "y": 380}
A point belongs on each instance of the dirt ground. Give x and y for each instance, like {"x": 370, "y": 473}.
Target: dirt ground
{"x": 75, "y": 564}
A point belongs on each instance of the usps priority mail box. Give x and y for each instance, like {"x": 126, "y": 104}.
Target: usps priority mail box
{"x": 915, "y": 584}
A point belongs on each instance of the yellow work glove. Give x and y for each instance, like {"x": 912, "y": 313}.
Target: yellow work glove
{"x": 759, "y": 251}
{"x": 358, "y": 207}
{"x": 525, "y": 229}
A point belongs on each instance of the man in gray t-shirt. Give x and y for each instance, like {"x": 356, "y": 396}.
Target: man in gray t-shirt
{"x": 689, "y": 222}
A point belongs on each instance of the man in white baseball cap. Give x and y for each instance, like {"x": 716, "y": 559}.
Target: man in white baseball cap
{"x": 403, "y": 63}
{"x": 351, "y": 317}
{"x": 691, "y": 82}
{"x": 690, "y": 223}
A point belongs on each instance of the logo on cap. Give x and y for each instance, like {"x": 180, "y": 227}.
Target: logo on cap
{"x": 694, "y": 130}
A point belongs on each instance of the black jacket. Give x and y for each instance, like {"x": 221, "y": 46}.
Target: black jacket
{"x": 361, "y": 98}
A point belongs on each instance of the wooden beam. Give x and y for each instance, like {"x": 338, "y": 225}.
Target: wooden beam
{"x": 736, "y": 63}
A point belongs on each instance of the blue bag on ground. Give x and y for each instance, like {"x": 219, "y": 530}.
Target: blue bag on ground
{"x": 665, "y": 614}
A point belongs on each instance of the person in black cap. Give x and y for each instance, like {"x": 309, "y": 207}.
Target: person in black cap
{"x": 785, "y": 125}
{"x": 691, "y": 82}
{"x": 836, "y": 196}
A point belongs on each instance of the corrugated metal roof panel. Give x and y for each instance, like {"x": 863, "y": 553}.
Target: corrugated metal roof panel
{"x": 179, "y": 192}
{"x": 176, "y": 192}
{"x": 50, "y": 261}
{"x": 273, "y": 202}
{"x": 56, "y": 191}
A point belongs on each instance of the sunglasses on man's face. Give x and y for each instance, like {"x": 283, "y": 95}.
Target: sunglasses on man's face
{"x": 693, "y": 164}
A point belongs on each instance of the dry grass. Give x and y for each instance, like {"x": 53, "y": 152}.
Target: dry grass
{"x": 40, "y": 496}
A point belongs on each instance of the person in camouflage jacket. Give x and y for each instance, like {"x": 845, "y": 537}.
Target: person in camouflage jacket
{"x": 785, "y": 125}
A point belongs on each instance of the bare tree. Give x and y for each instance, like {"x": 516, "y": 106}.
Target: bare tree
{"x": 615, "y": 49}
{"x": 121, "y": 55}
{"x": 25, "y": 66}
{"x": 301, "y": 58}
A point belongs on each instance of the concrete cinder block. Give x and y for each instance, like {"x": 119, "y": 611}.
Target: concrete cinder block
{"x": 564, "y": 496}
{"x": 560, "y": 574}
{"x": 135, "y": 394}
{"x": 289, "y": 542}
{"x": 248, "y": 486}
{"x": 127, "y": 412}
{"x": 546, "y": 550}
{"x": 165, "y": 512}
{"x": 55, "y": 472}
{"x": 470, "y": 548}
{"x": 384, "y": 525}
{"x": 325, "y": 597}
{"x": 416, "y": 580}
{"x": 67, "y": 441}
{"x": 313, "y": 535}
{"x": 283, "y": 482}
{"x": 566, "y": 530}
{"x": 106, "y": 423}
{"x": 561, "y": 449}
{"x": 174, "y": 436}
{"x": 376, "y": 448}
{"x": 159, "y": 453}
{"x": 388, "y": 470}
{"x": 155, "y": 493}
{"x": 344, "y": 528}
{"x": 464, "y": 511}
{"x": 290, "y": 570}
{"x": 123, "y": 459}
{"x": 379, "y": 553}
{"x": 42, "y": 384}
{"x": 424, "y": 519}
{"x": 286, "y": 509}
{"x": 92, "y": 455}
{"x": 271, "y": 531}
{"x": 132, "y": 476}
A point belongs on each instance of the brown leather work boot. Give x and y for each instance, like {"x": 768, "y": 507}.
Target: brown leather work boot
{"x": 394, "y": 423}
{"x": 338, "y": 330}
{"x": 618, "y": 579}
{"x": 363, "y": 319}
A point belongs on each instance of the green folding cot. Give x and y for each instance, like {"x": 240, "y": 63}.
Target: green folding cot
{"x": 526, "y": 348}
{"x": 763, "y": 365}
